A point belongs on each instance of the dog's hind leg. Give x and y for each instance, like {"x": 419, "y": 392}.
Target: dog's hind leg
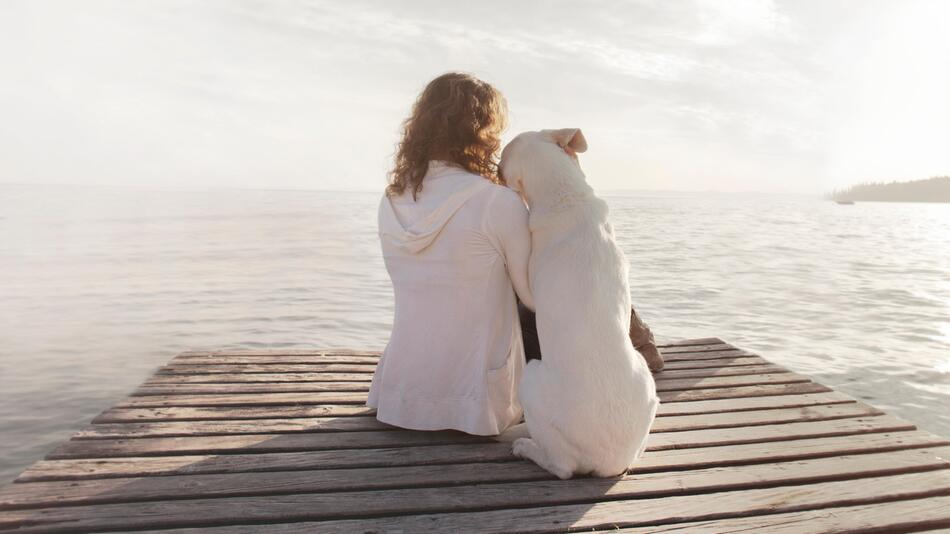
{"x": 512, "y": 433}
{"x": 546, "y": 446}
{"x": 528, "y": 449}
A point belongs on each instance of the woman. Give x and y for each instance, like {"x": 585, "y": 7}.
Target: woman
{"x": 456, "y": 244}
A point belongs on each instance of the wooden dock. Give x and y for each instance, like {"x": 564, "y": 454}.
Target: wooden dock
{"x": 280, "y": 441}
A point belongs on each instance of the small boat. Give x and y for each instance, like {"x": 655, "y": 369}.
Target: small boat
{"x": 845, "y": 202}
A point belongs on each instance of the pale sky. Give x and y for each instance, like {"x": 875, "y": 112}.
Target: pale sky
{"x": 797, "y": 96}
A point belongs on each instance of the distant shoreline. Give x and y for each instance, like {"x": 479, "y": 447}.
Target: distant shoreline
{"x": 934, "y": 190}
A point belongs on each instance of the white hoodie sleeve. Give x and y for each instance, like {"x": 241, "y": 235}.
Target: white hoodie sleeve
{"x": 506, "y": 220}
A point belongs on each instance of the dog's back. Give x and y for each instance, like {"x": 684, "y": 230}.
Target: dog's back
{"x": 590, "y": 402}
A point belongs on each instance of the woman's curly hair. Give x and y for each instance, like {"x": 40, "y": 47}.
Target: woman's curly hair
{"x": 457, "y": 118}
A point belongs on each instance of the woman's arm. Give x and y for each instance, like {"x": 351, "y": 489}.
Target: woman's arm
{"x": 507, "y": 219}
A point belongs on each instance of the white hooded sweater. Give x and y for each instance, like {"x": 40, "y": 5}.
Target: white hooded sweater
{"x": 456, "y": 256}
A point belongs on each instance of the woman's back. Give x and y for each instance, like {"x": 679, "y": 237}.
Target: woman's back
{"x": 455, "y": 353}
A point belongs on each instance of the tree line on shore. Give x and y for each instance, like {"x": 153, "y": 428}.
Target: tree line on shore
{"x": 936, "y": 189}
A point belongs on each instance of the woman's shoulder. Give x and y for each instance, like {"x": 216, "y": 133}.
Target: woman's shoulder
{"x": 503, "y": 197}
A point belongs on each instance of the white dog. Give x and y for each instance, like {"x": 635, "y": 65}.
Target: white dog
{"x": 590, "y": 402}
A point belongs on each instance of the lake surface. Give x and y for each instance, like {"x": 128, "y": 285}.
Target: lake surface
{"x": 100, "y": 286}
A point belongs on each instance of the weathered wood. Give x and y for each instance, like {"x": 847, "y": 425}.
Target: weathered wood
{"x": 751, "y": 403}
{"x": 248, "y": 399}
{"x": 230, "y": 427}
{"x": 796, "y": 449}
{"x": 741, "y": 391}
{"x": 99, "y": 448}
{"x": 210, "y": 413}
{"x": 149, "y": 446}
{"x": 322, "y": 397}
{"x": 245, "y": 387}
{"x": 707, "y": 355}
{"x": 275, "y": 360}
{"x": 249, "y": 461}
{"x": 610, "y": 514}
{"x": 586, "y": 493}
{"x": 228, "y": 378}
{"x": 706, "y": 347}
{"x": 671, "y": 353}
{"x": 714, "y": 363}
{"x": 283, "y": 438}
{"x": 720, "y": 371}
{"x": 663, "y": 383}
{"x": 124, "y": 490}
{"x": 652, "y": 461}
{"x": 173, "y": 369}
{"x": 357, "y": 424}
{"x": 691, "y": 342}
{"x": 287, "y": 352}
{"x": 913, "y": 515}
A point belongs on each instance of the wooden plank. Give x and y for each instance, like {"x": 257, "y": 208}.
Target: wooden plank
{"x": 125, "y": 490}
{"x": 249, "y": 399}
{"x": 88, "y": 468}
{"x": 377, "y": 353}
{"x": 134, "y": 489}
{"x": 751, "y": 403}
{"x": 100, "y": 448}
{"x": 741, "y": 391}
{"x": 663, "y": 383}
{"x": 231, "y": 427}
{"x": 266, "y": 368}
{"x": 281, "y": 353}
{"x": 762, "y": 417}
{"x": 620, "y": 513}
{"x": 766, "y": 452}
{"x": 673, "y": 354}
{"x": 148, "y": 446}
{"x": 715, "y": 363}
{"x": 359, "y": 424}
{"x": 780, "y": 432}
{"x": 244, "y": 387}
{"x": 706, "y": 347}
{"x": 912, "y": 515}
{"x": 323, "y": 397}
{"x": 707, "y": 355}
{"x": 674, "y": 383}
{"x": 652, "y": 461}
{"x": 625, "y": 503}
{"x": 211, "y": 413}
{"x": 172, "y": 369}
{"x": 691, "y": 342}
{"x": 274, "y": 360}
{"x": 720, "y": 371}
{"x": 227, "y": 378}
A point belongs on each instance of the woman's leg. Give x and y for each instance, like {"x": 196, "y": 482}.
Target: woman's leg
{"x": 529, "y": 333}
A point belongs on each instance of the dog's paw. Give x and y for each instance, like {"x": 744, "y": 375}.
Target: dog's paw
{"x": 522, "y": 448}
{"x": 513, "y": 432}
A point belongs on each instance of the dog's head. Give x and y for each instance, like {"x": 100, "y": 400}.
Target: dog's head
{"x": 544, "y": 164}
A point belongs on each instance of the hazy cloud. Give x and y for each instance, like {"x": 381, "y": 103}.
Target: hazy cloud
{"x": 748, "y": 95}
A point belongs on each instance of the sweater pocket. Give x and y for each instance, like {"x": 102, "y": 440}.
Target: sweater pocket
{"x": 501, "y": 386}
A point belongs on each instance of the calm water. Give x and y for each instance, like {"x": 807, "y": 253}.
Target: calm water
{"x": 100, "y": 286}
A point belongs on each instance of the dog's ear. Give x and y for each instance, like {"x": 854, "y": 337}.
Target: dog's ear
{"x": 569, "y": 137}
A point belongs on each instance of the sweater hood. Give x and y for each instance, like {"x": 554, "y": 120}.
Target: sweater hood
{"x": 417, "y": 236}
